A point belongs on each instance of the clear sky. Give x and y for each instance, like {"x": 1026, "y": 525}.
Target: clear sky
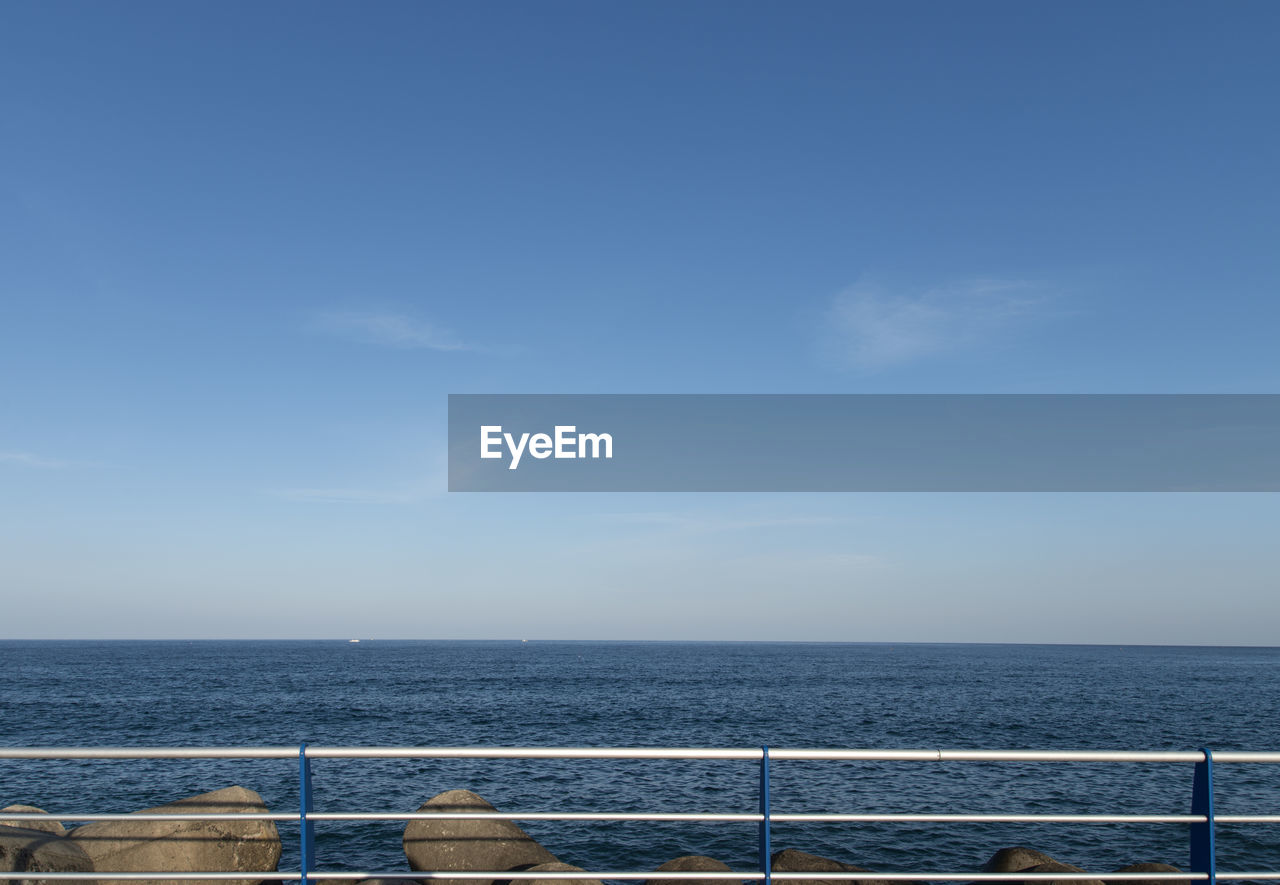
{"x": 247, "y": 249}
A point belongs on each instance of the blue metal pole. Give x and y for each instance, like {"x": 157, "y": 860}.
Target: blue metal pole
{"x": 1203, "y": 852}
{"x": 765, "y": 847}
{"x": 307, "y": 834}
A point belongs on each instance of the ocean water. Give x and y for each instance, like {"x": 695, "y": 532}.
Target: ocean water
{"x": 667, "y": 694}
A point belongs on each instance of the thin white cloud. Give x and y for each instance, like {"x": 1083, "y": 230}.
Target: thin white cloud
{"x": 429, "y": 482}
{"x": 26, "y": 459}
{"x": 873, "y": 328}
{"x": 346, "y": 496}
{"x": 713, "y": 523}
{"x": 390, "y": 330}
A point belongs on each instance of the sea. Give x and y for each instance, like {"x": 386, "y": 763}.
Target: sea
{"x": 667, "y": 694}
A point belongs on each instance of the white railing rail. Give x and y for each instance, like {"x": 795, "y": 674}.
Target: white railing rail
{"x": 1201, "y": 821}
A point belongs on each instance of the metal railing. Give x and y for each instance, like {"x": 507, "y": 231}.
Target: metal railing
{"x": 1201, "y": 820}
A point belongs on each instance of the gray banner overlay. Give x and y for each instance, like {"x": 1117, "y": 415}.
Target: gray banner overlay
{"x": 864, "y": 443}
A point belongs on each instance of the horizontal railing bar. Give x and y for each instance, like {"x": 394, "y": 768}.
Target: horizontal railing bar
{"x": 865, "y": 755}
{"x": 361, "y": 874}
{"x": 755, "y": 875}
{"x": 868, "y": 755}
{"x": 674, "y": 816}
{"x": 664, "y": 816}
{"x": 1247, "y": 818}
{"x": 995, "y": 818}
{"x": 740, "y": 876}
{"x": 532, "y": 753}
{"x": 709, "y": 876}
{"x": 93, "y": 875}
{"x": 1265, "y": 875}
{"x": 137, "y": 815}
{"x": 148, "y": 752}
{"x": 874, "y": 755}
{"x": 547, "y": 874}
{"x": 851, "y": 877}
{"x": 786, "y": 818}
{"x": 1243, "y": 756}
{"x": 531, "y": 816}
{"x": 834, "y": 817}
{"x": 999, "y": 877}
{"x": 878, "y": 755}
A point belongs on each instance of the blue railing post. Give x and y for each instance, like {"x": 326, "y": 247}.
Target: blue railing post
{"x": 765, "y": 848}
{"x": 1203, "y": 851}
{"x": 307, "y": 829}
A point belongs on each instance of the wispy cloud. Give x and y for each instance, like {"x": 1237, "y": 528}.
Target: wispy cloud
{"x": 810, "y": 568}
{"x": 873, "y": 328}
{"x": 694, "y": 523}
{"x": 428, "y": 484}
{"x": 425, "y": 481}
{"x": 389, "y": 330}
{"x": 26, "y": 459}
{"x": 347, "y": 496}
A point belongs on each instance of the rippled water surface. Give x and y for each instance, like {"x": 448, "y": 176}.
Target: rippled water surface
{"x": 667, "y": 694}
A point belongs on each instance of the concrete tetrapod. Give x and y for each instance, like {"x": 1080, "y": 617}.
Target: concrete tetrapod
{"x": 450, "y": 844}
{"x": 187, "y": 846}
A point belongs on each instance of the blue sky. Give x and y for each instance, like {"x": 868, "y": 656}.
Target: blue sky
{"x": 246, "y": 251}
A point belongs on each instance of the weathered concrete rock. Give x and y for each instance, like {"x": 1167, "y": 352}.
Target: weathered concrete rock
{"x": 1014, "y": 860}
{"x": 1152, "y": 868}
{"x": 1055, "y": 867}
{"x": 468, "y": 845}
{"x": 44, "y": 826}
{"x": 37, "y": 851}
{"x": 186, "y": 846}
{"x": 791, "y": 861}
{"x": 691, "y": 863}
{"x": 556, "y": 868}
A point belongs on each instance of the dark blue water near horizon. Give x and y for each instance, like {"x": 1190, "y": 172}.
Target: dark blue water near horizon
{"x": 511, "y": 693}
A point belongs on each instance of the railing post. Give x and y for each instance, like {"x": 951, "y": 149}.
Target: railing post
{"x": 1203, "y": 851}
{"x": 765, "y": 847}
{"x": 306, "y": 828}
